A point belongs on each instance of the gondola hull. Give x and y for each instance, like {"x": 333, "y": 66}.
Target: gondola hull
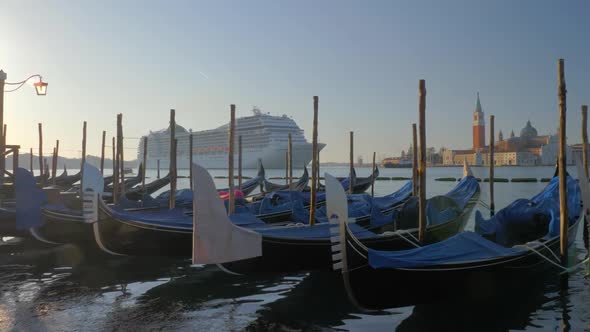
{"x": 135, "y": 238}
{"x": 377, "y": 289}
{"x": 292, "y": 254}
{"x": 8, "y": 224}
{"x": 62, "y": 227}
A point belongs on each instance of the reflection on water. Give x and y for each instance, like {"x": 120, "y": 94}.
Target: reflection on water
{"x": 66, "y": 288}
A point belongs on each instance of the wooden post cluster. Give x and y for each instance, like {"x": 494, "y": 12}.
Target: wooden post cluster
{"x": 171, "y": 166}
{"x": 314, "y": 162}
{"x": 492, "y": 204}
{"x": 351, "y": 164}
{"x": 230, "y": 157}
{"x": 563, "y": 213}
{"x": 104, "y": 136}
{"x": 414, "y": 160}
{"x": 422, "y": 161}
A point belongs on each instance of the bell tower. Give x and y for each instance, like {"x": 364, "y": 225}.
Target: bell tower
{"x": 479, "y": 127}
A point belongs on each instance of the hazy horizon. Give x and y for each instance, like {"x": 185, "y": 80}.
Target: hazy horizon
{"x": 364, "y": 62}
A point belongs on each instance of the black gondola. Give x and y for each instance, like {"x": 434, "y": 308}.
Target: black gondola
{"x": 519, "y": 242}
{"x": 155, "y": 231}
{"x": 297, "y": 186}
{"x": 360, "y": 185}
{"x": 288, "y": 249}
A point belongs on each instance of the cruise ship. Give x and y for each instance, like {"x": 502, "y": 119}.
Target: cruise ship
{"x": 264, "y": 137}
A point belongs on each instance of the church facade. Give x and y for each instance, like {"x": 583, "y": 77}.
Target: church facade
{"x": 528, "y": 149}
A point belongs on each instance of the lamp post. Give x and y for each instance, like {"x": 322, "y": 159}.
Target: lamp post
{"x": 40, "y": 88}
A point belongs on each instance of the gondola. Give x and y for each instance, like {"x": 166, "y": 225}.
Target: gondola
{"x": 155, "y": 231}
{"x": 138, "y": 192}
{"x": 63, "y": 175}
{"x": 297, "y": 186}
{"x": 360, "y": 185}
{"x": 518, "y": 243}
{"x": 61, "y": 217}
{"x": 129, "y": 182}
{"x": 256, "y": 182}
{"x": 304, "y": 247}
{"x": 53, "y": 216}
{"x": 67, "y": 181}
{"x": 184, "y": 197}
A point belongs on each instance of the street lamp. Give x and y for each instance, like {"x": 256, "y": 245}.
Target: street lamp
{"x": 41, "y": 89}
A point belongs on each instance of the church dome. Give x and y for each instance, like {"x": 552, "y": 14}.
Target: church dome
{"x": 528, "y": 130}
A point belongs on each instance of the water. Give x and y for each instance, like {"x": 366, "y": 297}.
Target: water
{"x": 64, "y": 288}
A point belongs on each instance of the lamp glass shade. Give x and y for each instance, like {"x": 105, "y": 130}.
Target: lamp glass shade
{"x": 41, "y": 88}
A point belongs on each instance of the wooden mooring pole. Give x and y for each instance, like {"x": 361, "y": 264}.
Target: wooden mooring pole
{"x": 171, "y": 170}
{"x": 290, "y": 160}
{"x": 372, "y": 172}
{"x": 31, "y": 161}
{"x": 83, "y": 157}
{"x": 414, "y": 161}
{"x": 104, "y": 136}
{"x": 230, "y": 157}
{"x": 563, "y": 213}
{"x": 144, "y": 162}
{"x": 190, "y": 157}
{"x": 422, "y": 162}
{"x": 351, "y": 164}
{"x": 314, "y": 157}
{"x": 158, "y": 167}
{"x": 240, "y": 162}
{"x": 41, "y": 155}
{"x": 56, "y": 159}
{"x": 586, "y": 231}
{"x": 491, "y": 161}
{"x": 287, "y": 167}
{"x": 115, "y": 171}
{"x": 120, "y": 146}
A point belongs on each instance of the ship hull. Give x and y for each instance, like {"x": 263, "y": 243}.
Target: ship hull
{"x": 271, "y": 157}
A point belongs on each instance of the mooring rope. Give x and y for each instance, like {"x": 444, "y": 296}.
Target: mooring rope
{"x": 556, "y": 264}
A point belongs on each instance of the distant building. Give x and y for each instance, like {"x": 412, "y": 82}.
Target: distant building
{"x": 528, "y": 149}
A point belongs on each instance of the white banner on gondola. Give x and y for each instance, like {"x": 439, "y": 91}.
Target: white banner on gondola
{"x": 216, "y": 239}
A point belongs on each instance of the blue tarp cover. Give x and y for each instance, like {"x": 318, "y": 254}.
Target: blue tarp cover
{"x": 463, "y": 191}
{"x": 522, "y": 211}
{"x": 29, "y": 199}
{"x": 394, "y": 198}
{"x": 470, "y": 246}
{"x": 466, "y": 246}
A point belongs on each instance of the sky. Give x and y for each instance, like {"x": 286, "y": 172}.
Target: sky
{"x": 362, "y": 58}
